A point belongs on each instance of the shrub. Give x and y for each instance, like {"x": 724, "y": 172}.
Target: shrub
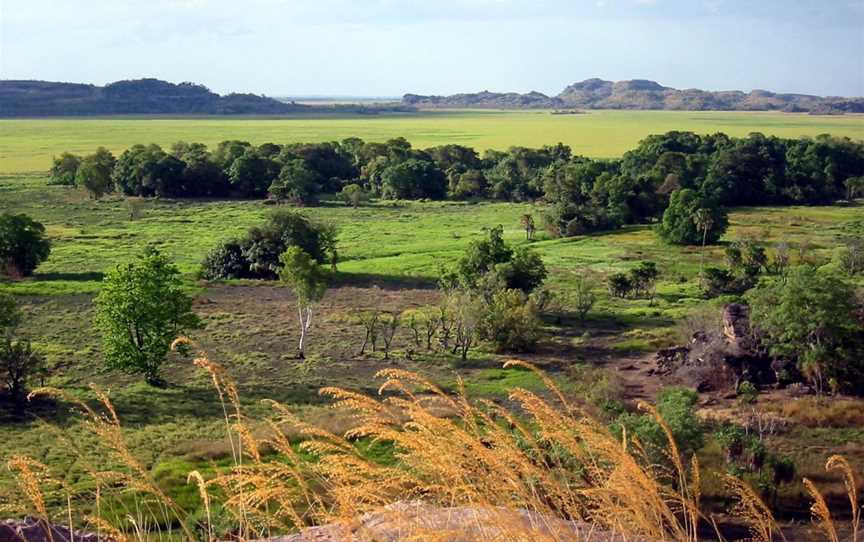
{"x": 225, "y": 261}
{"x": 23, "y": 245}
{"x": 19, "y": 363}
{"x": 296, "y": 183}
{"x": 257, "y": 254}
{"x": 511, "y": 321}
{"x": 619, "y": 285}
{"x": 94, "y": 173}
{"x": 677, "y": 406}
{"x": 522, "y": 268}
{"x": 354, "y": 195}
{"x": 64, "y": 168}
{"x": 10, "y": 314}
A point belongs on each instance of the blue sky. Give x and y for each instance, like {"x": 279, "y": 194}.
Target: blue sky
{"x": 389, "y": 47}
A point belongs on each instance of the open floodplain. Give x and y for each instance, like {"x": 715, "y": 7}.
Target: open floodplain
{"x": 27, "y": 145}
{"x": 390, "y": 256}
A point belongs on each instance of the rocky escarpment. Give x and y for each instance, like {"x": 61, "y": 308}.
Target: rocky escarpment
{"x": 642, "y": 94}
{"x": 720, "y": 359}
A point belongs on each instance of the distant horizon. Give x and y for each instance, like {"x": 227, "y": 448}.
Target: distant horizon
{"x": 389, "y": 47}
{"x": 343, "y": 96}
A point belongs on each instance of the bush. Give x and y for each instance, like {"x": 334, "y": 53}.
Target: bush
{"x": 511, "y": 321}
{"x": 64, "y": 168}
{"x": 354, "y": 195}
{"x": 225, "y": 261}
{"x": 10, "y": 314}
{"x": 23, "y": 245}
{"x": 18, "y": 365}
{"x": 296, "y": 183}
{"x": 521, "y": 269}
{"x": 679, "y": 227}
{"x": 677, "y": 406}
{"x": 619, "y": 285}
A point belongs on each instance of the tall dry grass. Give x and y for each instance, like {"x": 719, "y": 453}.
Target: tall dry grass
{"x": 542, "y": 469}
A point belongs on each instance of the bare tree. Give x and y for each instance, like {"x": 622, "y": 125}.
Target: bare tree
{"x": 527, "y": 221}
{"x": 389, "y": 325}
{"x": 369, "y": 320}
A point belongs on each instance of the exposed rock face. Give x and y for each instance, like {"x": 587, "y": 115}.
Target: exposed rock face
{"x": 34, "y": 530}
{"x": 717, "y": 360}
{"x": 417, "y": 521}
{"x": 643, "y": 94}
{"x": 736, "y": 327}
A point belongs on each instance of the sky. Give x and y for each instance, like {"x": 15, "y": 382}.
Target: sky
{"x": 390, "y": 47}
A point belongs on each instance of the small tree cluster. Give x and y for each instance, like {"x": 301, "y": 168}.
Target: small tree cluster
{"x": 639, "y": 282}
{"x": 257, "y": 254}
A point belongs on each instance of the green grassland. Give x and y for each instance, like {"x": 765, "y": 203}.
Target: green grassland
{"x": 390, "y": 254}
{"x": 27, "y": 145}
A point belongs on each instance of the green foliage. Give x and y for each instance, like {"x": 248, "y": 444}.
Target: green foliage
{"x": 296, "y": 183}
{"x": 679, "y": 227}
{"x": 19, "y": 363}
{"x": 638, "y": 282}
{"x": 257, "y": 254}
{"x": 23, "y": 244}
{"x": 309, "y": 283}
{"x": 303, "y": 275}
{"x": 812, "y": 316}
{"x": 677, "y": 407}
{"x": 94, "y": 173}
{"x": 413, "y": 179}
{"x": 225, "y": 261}
{"x": 64, "y": 168}
{"x": 510, "y": 321}
{"x": 141, "y": 310}
{"x": 521, "y": 268}
{"x": 10, "y": 314}
{"x": 353, "y": 194}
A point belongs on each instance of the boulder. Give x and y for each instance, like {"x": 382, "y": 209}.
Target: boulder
{"x": 36, "y": 530}
{"x": 418, "y": 521}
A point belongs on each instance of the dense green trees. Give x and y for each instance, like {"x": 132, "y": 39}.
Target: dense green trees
{"x": 23, "y": 245}
{"x": 140, "y": 310}
{"x": 584, "y": 195}
{"x": 692, "y": 219}
{"x": 257, "y": 254}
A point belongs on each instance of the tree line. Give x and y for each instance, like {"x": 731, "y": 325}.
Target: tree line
{"x": 583, "y": 194}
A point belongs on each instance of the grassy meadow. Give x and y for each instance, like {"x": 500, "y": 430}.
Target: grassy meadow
{"x": 27, "y": 145}
{"x": 390, "y": 254}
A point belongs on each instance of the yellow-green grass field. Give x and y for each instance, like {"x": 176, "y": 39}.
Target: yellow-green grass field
{"x": 27, "y": 145}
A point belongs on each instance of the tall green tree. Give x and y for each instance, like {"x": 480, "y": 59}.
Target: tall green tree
{"x": 140, "y": 310}
{"x": 678, "y": 225}
{"x": 94, "y": 173}
{"x": 308, "y": 282}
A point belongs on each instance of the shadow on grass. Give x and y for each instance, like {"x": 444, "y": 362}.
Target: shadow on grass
{"x": 72, "y": 277}
{"x": 385, "y": 282}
